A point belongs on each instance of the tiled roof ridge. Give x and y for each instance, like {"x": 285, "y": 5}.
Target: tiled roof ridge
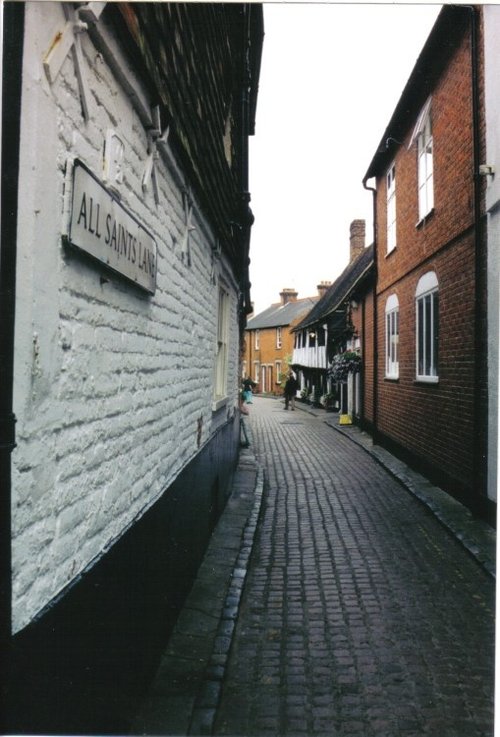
{"x": 274, "y": 315}
{"x": 342, "y": 285}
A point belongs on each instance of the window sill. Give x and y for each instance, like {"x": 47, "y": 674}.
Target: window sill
{"x": 389, "y": 253}
{"x": 424, "y": 219}
{"x": 218, "y": 404}
{"x": 393, "y": 379}
{"x": 427, "y": 380}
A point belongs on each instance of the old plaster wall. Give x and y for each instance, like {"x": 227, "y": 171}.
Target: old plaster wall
{"x": 113, "y": 387}
{"x": 492, "y": 70}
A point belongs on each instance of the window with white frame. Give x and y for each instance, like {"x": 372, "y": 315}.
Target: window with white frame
{"x": 392, "y": 337}
{"x": 425, "y": 161}
{"x": 427, "y": 323}
{"x": 256, "y": 371}
{"x": 277, "y": 365}
{"x": 279, "y": 337}
{"x": 220, "y": 383}
{"x": 257, "y": 340}
{"x": 391, "y": 208}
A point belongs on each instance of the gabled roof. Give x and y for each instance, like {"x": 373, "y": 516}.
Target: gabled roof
{"x": 281, "y": 315}
{"x": 443, "y": 40}
{"x": 339, "y": 291}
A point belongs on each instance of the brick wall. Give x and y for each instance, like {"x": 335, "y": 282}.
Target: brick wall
{"x": 434, "y": 422}
{"x": 113, "y": 388}
{"x": 268, "y": 353}
{"x": 453, "y": 182}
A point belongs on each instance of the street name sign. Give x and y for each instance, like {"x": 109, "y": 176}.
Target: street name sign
{"x": 102, "y": 227}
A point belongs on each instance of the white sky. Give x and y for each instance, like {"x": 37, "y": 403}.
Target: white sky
{"x": 331, "y": 77}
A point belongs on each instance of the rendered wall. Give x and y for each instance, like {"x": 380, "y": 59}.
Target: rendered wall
{"x": 113, "y": 387}
{"x": 492, "y": 70}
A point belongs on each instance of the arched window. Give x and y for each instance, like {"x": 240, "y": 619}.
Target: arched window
{"x": 427, "y": 323}
{"x": 392, "y": 337}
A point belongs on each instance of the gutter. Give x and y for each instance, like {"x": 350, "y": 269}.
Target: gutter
{"x": 12, "y": 61}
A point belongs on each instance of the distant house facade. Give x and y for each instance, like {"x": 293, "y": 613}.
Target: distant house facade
{"x": 269, "y": 341}
{"x": 430, "y": 384}
{"x": 125, "y": 242}
{"x": 333, "y": 348}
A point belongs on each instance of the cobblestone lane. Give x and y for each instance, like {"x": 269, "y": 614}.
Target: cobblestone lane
{"x": 361, "y": 614}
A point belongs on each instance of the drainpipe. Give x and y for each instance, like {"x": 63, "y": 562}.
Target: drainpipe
{"x": 480, "y": 425}
{"x": 11, "y": 81}
{"x": 373, "y": 190}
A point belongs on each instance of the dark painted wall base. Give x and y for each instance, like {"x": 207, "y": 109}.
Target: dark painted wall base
{"x": 478, "y": 504}
{"x": 83, "y": 665}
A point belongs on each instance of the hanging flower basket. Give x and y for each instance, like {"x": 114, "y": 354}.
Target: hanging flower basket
{"x": 344, "y": 364}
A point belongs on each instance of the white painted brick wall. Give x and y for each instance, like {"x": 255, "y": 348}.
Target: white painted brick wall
{"x": 109, "y": 384}
{"x": 492, "y": 70}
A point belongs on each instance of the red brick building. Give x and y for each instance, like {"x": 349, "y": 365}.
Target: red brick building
{"x": 269, "y": 342}
{"x": 429, "y": 389}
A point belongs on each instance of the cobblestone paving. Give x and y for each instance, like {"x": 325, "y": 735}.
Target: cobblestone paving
{"x": 361, "y": 615}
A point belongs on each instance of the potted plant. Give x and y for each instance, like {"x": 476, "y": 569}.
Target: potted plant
{"x": 304, "y": 395}
{"x": 328, "y": 401}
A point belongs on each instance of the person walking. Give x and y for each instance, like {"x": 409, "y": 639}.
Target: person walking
{"x": 291, "y": 386}
{"x": 247, "y": 390}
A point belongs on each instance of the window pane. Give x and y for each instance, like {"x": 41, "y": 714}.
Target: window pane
{"x": 388, "y": 340}
{"x": 221, "y": 360}
{"x": 435, "y": 335}
{"x": 428, "y": 159}
{"x": 420, "y": 336}
{"x": 422, "y": 171}
{"x": 392, "y": 341}
{"x": 428, "y": 335}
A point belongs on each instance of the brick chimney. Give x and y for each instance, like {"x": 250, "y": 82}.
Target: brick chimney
{"x": 322, "y": 287}
{"x": 357, "y": 239}
{"x": 288, "y": 295}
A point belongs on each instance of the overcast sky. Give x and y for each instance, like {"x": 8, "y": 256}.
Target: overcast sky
{"x": 331, "y": 77}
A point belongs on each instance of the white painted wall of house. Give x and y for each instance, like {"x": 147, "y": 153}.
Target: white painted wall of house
{"x": 110, "y": 385}
{"x": 492, "y": 74}
{"x": 310, "y": 357}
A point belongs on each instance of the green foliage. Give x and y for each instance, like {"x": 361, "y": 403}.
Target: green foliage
{"x": 344, "y": 364}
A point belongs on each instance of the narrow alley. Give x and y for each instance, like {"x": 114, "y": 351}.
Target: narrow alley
{"x": 361, "y": 615}
{"x": 331, "y": 601}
